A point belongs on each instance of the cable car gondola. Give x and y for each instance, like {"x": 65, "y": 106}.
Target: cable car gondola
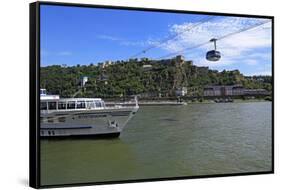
{"x": 213, "y": 55}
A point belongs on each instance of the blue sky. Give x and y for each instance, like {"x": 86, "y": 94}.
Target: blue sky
{"x": 77, "y": 35}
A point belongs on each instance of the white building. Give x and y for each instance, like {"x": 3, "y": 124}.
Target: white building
{"x": 224, "y": 90}
{"x": 181, "y": 92}
{"x": 105, "y": 64}
{"x": 147, "y": 67}
{"x": 83, "y": 80}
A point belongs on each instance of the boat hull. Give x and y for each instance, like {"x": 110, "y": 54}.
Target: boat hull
{"x": 108, "y": 122}
{"x": 84, "y": 136}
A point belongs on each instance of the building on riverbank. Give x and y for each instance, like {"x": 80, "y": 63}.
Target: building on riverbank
{"x": 253, "y": 92}
{"x": 225, "y": 90}
{"x": 231, "y": 90}
{"x": 181, "y": 91}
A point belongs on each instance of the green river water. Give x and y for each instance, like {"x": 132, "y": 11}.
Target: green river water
{"x": 167, "y": 141}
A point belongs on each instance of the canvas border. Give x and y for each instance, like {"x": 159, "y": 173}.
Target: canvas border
{"x": 34, "y": 98}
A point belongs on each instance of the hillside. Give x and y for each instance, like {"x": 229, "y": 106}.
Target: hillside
{"x": 149, "y": 78}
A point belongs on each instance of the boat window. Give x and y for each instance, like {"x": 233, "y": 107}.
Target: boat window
{"x": 80, "y": 104}
{"x": 98, "y": 104}
{"x": 43, "y": 92}
{"x": 62, "y": 106}
{"x": 52, "y": 105}
{"x": 102, "y": 104}
{"x": 71, "y": 105}
{"x": 43, "y": 105}
{"x": 90, "y": 104}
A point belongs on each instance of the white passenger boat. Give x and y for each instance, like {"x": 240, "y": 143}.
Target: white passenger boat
{"x": 82, "y": 116}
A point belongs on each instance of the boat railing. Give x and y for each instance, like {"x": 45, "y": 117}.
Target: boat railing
{"x": 77, "y": 104}
{"x": 71, "y": 104}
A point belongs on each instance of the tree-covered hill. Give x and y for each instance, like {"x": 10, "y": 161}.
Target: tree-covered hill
{"x": 126, "y": 78}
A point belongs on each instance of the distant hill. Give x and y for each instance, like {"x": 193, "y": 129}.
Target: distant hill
{"x": 144, "y": 77}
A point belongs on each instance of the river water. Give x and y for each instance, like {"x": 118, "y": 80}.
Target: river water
{"x": 168, "y": 141}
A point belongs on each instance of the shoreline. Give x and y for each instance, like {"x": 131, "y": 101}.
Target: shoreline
{"x": 176, "y": 103}
{"x": 234, "y": 101}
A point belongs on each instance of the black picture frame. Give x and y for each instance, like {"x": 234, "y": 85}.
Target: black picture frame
{"x": 34, "y": 95}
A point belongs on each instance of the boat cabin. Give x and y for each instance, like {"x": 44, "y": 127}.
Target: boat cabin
{"x": 72, "y": 104}
{"x": 53, "y": 102}
{"x": 43, "y": 92}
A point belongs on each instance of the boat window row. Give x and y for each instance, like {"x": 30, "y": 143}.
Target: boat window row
{"x": 62, "y": 105}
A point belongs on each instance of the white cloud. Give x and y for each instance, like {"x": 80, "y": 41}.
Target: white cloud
{"x": 233, "y": 48}
{"x": 133, "y": 43}
{"x": 108, "y": 37}
{"x": 251, "y": 61}
{"x": 268, "y": 72}
{"x": 266, "y": 56}
{"x": 124, "y": 42}
{"x": 250, "y": 48}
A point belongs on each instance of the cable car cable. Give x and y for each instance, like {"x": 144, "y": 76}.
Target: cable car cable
{"x": 220, "y": 38}
{"x": 202, "y": 21}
